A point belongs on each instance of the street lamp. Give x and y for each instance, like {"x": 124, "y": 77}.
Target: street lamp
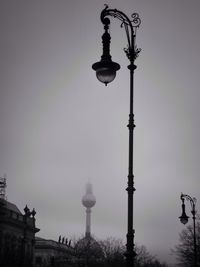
{"x": 184, "y": 219}
{"x": 106, "y": 72}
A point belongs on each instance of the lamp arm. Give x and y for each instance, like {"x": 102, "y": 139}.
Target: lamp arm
{"x": 130, "y": 27}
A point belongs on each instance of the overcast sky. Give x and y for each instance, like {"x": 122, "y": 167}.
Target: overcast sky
{"x": 60, "y": 127}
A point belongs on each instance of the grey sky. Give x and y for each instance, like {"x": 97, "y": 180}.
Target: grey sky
{"x": 60, "y": 127}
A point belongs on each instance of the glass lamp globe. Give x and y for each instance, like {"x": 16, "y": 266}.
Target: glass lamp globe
{"x": 184, "y": 218}
{"x": 106, "y": 70}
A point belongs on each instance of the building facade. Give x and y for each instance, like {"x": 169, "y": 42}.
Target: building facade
{"x": 50, "y": 253}
{"x": 17, "y": 235}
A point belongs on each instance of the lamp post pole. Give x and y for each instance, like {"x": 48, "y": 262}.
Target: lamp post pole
{"x": 184, "y": 219}
{"x": 106, "y": 72}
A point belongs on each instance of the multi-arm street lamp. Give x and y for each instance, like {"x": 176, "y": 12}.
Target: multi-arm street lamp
{"x": 184, "y": 219}
{"x": 106, "y": 72}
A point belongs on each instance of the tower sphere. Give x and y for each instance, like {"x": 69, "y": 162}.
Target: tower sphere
{"x": 88, "y": 199}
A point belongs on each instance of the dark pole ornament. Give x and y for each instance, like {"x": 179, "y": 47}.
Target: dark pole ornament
{"x": 106, "y": 72}
{"x": 184, "y": 219}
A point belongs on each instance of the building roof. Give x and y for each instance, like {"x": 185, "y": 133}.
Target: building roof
{"x": 41, "y": 243}
{"x": 13, "y": 207}
{"x": 9, "y": 206}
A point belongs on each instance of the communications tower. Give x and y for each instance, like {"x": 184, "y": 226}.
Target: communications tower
{"x": 88, "y": 201}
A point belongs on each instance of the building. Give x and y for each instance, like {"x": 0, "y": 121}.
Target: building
{"x": 17, "y": 235}
{"x": 18, "y": 245}
{"x": 53, "y": 253}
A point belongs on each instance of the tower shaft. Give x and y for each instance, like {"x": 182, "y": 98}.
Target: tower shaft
{"x": 88, "y": 222}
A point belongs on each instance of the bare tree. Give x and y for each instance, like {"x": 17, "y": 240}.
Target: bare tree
{"x": 145, "y": 259}
{"x": 184, "y": 251}
{"x": 112, "y": 254}
{"x": 114, "y": 250}
{"x": 143, "y": 256}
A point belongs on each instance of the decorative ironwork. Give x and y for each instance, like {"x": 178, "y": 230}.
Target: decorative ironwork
{"x": 192, "y": 200}
{"x": 130, "y": 27}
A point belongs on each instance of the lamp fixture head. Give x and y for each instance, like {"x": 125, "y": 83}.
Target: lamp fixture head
{"x": 183, "y": 218}
{"x": 106, "y": 70}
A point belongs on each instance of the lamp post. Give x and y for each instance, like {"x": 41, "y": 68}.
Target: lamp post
{"x": 184, "y": 219}
{"x": 106, "y": 72}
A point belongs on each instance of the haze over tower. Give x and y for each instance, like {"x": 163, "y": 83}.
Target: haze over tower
{"x": 88, "y": 201}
